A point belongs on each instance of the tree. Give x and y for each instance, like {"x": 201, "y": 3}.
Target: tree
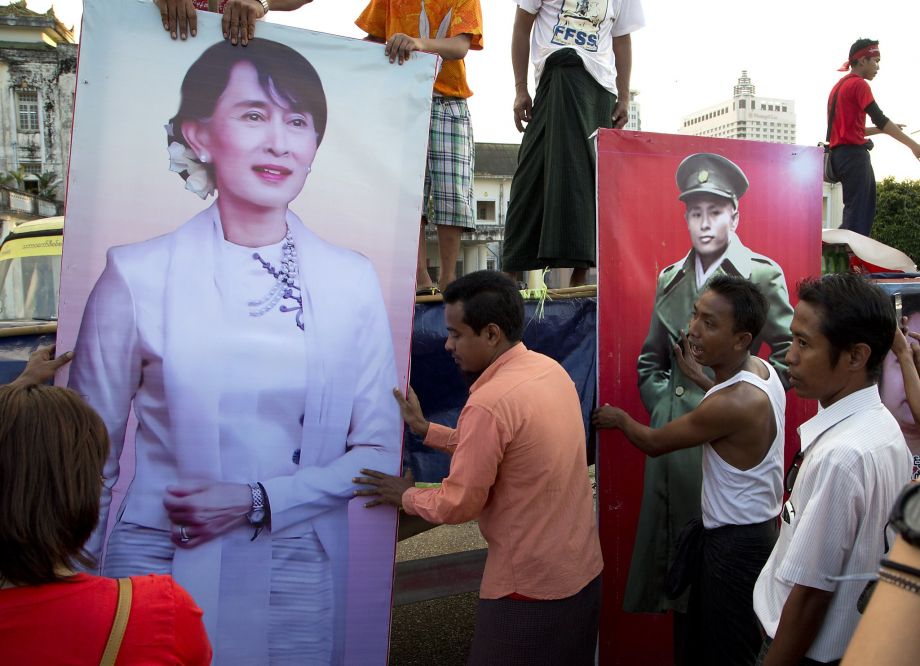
{"x": 44, "y": 184}
{"x": 18, "y": 177}
{"x": 47, "y": 184}
{"x": 897, "y": 216}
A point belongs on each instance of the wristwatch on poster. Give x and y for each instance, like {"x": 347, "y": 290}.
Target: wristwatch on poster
{"x": 905, "y": 516}
{"x": 256, "y": 516}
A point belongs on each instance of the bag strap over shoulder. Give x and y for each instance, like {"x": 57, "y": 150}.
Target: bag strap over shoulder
{"x": 122, "y": 612}
{"x": 831, "y": 111}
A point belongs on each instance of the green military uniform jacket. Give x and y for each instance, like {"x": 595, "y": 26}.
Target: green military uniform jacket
{"x": 673, "y": 482}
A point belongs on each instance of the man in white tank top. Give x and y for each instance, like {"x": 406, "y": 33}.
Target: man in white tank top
{"x": 739, "y": 424}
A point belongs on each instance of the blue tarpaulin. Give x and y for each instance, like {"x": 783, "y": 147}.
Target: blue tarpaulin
{"x": 566, "y": 332}
{"x": 14, "y": 352}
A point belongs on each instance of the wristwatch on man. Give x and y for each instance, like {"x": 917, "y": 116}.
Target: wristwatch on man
{"x": 264, "y": 4}
{"x": 905, "y": 516}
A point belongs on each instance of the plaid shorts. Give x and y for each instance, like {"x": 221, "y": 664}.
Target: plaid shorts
{"x": 448, "y": 195}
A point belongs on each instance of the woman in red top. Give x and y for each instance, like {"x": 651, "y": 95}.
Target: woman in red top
{"x": 52, "y": 449}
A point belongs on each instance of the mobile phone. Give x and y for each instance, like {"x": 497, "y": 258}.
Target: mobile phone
{"x": 898, "y": 307}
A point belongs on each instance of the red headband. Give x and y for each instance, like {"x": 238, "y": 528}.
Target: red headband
{"x": 870, "y": 51}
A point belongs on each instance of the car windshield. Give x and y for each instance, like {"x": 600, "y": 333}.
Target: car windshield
{"x": 30, "y": 274}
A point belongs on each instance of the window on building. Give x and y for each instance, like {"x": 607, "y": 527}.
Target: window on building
{"x": 27, "y": 102}
{"x": 490, "y": 264}
{"x": 784, "y": 109}
{"x": 742, "y": 103}
{"x": 485, "y": 211}
{"x": 32, "y": 169}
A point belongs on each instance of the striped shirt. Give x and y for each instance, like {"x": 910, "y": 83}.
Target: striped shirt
{"x": 856, "y": 461}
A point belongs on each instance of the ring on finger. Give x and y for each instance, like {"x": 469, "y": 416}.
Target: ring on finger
{"x": 183, "y": 534}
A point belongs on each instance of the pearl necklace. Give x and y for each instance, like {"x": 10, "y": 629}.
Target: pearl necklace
{"x": 285, "y": 287}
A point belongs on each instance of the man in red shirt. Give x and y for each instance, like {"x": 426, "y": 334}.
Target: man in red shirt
{"x": 848, "y": 105}
{"x": 518, "y": 465}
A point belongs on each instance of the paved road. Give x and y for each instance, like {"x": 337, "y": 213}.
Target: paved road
{"x": 438, "y": 631}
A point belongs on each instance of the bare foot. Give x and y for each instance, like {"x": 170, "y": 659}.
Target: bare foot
{"x": 579, "y": 277}
{"x": 422, "y": 278}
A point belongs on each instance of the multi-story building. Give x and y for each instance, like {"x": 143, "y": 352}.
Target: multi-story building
{"x": 745, "y": 116}
{"x": 38, "y": 61}
{"x": 635, "y": 119}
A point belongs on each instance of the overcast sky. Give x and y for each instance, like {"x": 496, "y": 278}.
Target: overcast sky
{"x": 690, "y": 55}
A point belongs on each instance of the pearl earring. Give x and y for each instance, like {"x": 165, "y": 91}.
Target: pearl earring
{"x": 203, "y": 158}
{"x": 309, "y": 169}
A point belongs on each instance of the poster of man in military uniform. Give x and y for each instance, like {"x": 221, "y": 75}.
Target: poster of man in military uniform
{"x": 710, "y": 188}
{"x": 673, "y": 212}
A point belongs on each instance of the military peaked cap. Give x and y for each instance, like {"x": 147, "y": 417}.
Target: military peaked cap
{"x": 713, "y": 174}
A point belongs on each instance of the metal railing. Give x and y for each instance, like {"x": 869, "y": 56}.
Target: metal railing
{"x": 23, "y": 204}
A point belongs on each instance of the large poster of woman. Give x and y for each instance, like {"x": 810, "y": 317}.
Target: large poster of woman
{"x": 237, "y": 286}
{"x": 674, "y": 211}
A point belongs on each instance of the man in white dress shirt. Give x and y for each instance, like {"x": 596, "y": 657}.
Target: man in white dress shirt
{"x": 844, "y": 481}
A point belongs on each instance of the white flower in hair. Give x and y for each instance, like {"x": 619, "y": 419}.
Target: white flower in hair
{"x": 182, "y": 159}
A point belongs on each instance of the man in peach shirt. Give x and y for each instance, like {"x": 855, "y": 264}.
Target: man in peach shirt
{"x": 518, "y": 466}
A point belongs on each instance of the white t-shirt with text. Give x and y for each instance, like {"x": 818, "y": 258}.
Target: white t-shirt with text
{"x": 585, "y": 26}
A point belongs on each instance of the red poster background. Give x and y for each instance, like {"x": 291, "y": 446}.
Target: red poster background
{"x": 641, "y": 230}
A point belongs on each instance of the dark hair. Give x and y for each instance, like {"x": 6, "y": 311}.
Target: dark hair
{"x": 859, "y": 45}
{"x": 910, "y": 303}
{"x": 282, "y": 72}
{"x": 853, "y": 311}
{"x": 52, "y": 450}
{"x": 489, "y": 297}
{"x": 749, "y": 306}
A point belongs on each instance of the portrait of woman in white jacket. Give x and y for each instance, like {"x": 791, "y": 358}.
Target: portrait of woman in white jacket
{"x": 259, "y": 392}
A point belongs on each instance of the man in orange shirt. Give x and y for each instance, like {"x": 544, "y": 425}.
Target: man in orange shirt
{"x": 449, "y": 28}
{"x": 518, "y": 466}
